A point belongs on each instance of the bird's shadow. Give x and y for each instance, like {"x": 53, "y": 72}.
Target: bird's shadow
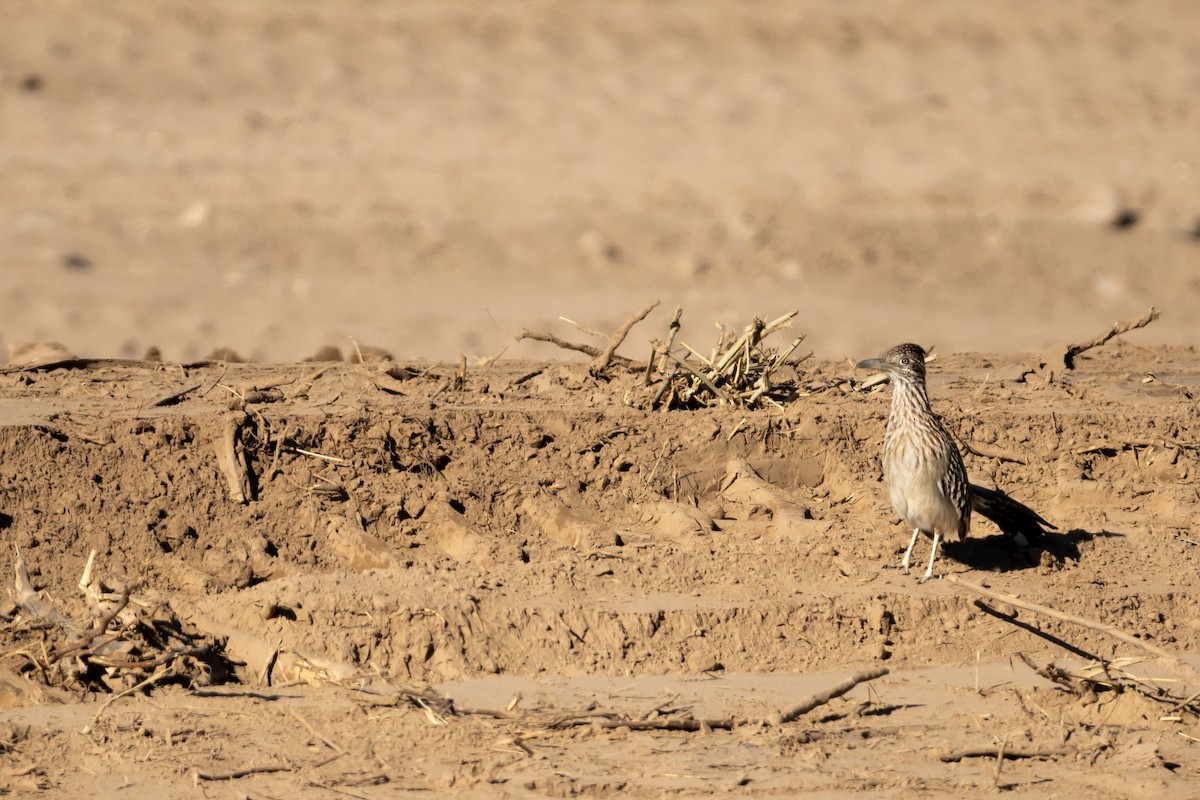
{"x": 998, "y": 554}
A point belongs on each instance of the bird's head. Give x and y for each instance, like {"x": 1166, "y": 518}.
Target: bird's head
{"x": 904, "y": 362}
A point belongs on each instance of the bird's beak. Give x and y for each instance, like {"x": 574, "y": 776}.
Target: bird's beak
{"x": 877, "y": 364}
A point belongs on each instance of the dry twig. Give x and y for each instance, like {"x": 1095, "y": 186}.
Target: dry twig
{"x": 1057, "y": 357}
{"x": 239, "y": 773}
{"x": 1003, "y": 752}
{"x": 1165, "y": 657}
{"x": 823, "y": 697}
{"x": 176, "y": 397}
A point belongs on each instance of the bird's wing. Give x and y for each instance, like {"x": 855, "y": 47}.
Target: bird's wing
{"x": 1010, "y": 516}
{"x": 955, "y": 488}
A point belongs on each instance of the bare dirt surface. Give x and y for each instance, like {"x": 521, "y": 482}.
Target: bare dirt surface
{"x": 534, "y": 532}
{"x": 514, "y": 578}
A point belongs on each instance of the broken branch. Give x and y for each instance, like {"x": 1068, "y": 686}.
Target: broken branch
{"x": 823, "y": 697}
{"x": 601, "y": 359}
{"x": 586, "y": 349}
{"x": 240, "y": 773}
{"x": 1118, "y": 328}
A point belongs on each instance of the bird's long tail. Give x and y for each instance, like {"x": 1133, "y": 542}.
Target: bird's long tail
{"x": 1016, "y": 519}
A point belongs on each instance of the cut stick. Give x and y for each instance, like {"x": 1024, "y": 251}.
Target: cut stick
{"x": 751, "y": 335}
{"x": 609, "y": 721}
{"x": 321, "y": 456}
{"x": 672, "y": 332}
{"x": 169, "y": 655}
{"x": 821, "y": 698}
{"x": 786, "y": 353}
{"x": 724, "y": 398}
{"x": 550, "y": 338}
{"x": 324, "y": 739}
{"x": 308, "y": 380}
{"x": 1165, "y": 657}
{"x": 776, "y": 324}
{"x": 582, "y": 328}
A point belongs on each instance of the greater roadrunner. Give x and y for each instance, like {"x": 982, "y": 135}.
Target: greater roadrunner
{"x": 924, "y": 471}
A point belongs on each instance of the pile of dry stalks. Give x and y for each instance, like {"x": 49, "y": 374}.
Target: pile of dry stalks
{"x": 739, "y": 370}
{"x": 128, "y": 645}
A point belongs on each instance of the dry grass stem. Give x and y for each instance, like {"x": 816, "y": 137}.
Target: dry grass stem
{"x": 321, "y": 456}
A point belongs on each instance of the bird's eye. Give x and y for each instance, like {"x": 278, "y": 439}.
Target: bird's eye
{"x": 904, "y": 360}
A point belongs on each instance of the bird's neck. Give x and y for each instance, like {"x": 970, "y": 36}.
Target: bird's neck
{"x": 910, "y": 401}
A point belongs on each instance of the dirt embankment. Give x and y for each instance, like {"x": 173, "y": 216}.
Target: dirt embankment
{"x": 536, "y": 521}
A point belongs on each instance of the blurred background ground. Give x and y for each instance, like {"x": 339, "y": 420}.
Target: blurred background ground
{"x": 430, "y": 177}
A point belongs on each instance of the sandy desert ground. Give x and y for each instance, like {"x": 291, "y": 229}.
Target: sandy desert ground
{"x": 479, "y": 569}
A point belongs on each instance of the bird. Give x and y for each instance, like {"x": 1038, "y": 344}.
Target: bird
{"x": 924, "y": 471}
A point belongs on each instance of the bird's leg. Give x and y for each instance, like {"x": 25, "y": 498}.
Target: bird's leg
{"x": 907, "y": 561}
{"x": 932, "y": 555}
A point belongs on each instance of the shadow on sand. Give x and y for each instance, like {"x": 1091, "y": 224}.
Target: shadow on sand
{"x": 998, "y": 554}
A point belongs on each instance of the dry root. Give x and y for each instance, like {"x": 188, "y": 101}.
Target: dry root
{"x": 602, "y": 358}
{"x": 1059, "y": 358}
